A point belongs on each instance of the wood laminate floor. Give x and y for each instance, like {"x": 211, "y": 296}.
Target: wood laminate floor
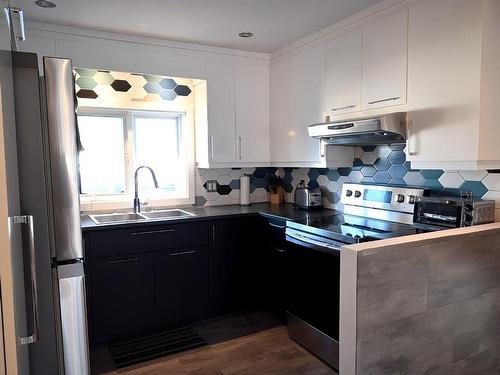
{"x": 269, "y": 352}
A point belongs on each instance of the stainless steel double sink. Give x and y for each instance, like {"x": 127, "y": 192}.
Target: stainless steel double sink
{"x": 117, "y": 218}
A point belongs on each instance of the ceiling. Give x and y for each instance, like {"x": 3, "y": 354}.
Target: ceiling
{"x": 275, "y": 23}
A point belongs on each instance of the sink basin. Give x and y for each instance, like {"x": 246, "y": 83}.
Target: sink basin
{"x": 145, "y": 216}
{"x": 116, "y": 218}
{"x": 167, "y": 214}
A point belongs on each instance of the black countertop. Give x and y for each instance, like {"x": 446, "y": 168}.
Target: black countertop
{"x": 284, "y": 211}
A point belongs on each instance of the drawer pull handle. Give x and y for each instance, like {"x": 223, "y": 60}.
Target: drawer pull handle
{"x": 183, "y": 253}
{"x": 341, "y": 108}
{"x": 128, "y": 260}
{"x": 384, "y": 100}
{"x": 153, "y": 232}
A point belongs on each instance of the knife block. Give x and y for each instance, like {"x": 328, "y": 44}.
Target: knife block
{"x": 277, "y": 198}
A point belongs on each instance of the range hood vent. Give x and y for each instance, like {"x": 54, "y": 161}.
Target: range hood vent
{"x": 381, "y": 130}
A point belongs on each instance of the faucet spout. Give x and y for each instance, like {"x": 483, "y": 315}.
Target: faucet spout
{"x": 137, "y": 203}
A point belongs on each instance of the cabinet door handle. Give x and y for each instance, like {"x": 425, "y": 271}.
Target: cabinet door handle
{"x": 384, "y": 100}
{"x": 239, "y": 147}
{"x": 212, "y": 147}
{"x": 277, "y": 226}
{"x": 183, "y": 253}
{"x": 341, "y": 108}
{"x": 213, "y": 235}
{"x": 411, "y": 139}
{"x": 128, "y": 260}
{"x": 152, "y": 232}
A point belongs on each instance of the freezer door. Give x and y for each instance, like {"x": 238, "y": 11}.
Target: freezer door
{"x": 33, "y": 194}
{"x": 63, "y": 158}
{"x": 12, "y": 261}
{"x": 73, "y": 319}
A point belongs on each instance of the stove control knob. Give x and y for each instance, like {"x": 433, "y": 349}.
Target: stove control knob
{"x": 348, "y": 193}
{"x": 357, "y": 194}
{"x": 400, "y": 198}
{"x": 411, "y": 199}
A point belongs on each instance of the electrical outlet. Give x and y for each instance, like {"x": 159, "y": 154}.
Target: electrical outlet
{"x": 211, "y": 186}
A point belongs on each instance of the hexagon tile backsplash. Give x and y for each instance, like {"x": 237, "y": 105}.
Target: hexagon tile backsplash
{"x": 376, "y": 165}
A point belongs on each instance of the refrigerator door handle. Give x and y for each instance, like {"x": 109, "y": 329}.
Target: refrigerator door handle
{"x": 28, "y": 221}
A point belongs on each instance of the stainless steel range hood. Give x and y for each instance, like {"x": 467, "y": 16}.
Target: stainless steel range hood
{"x": 380, "y": 130}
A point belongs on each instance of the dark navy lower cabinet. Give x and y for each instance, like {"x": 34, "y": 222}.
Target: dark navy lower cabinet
{"x": 144, "y": 280}
{"x": 123, "y": 301}
{"x": 181, "y": 286}
{"x": 235, "y": 255}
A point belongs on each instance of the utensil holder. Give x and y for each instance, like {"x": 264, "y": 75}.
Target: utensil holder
{"x": 277, "y": 198}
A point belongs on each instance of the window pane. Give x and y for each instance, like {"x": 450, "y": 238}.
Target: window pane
{"x": 158, "y": 145}
{"x": 102, "y": 163}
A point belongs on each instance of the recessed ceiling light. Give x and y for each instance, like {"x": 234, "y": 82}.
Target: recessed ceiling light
{"x": 245, "y": 34}
{"x": 45, "y": 4}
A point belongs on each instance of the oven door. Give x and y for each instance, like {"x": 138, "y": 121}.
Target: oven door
{"x": 314, "y": 288}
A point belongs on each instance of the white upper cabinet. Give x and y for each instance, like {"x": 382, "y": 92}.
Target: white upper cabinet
{"x": 344, "y": 74}
{"x": 252, "y": 113}
{"x": 453, "y": 80}
{"x": 298, "y": 99}
{"x": 307, "y": 93}
{"x": 384, "y": 56}
{"x": 233, "y": 127}
{"x": 221, "y": 111}
{"x": 280, "y": 116}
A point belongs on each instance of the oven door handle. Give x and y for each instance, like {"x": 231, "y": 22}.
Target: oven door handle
{"x": 308, "y": 240}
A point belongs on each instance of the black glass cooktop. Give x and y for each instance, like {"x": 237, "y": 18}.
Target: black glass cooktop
{"x": 352, "y": 229}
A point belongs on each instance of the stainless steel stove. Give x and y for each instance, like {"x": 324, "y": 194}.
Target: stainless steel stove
{"x": 370, "y": 212}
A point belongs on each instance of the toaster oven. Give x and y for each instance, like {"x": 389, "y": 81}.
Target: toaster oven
{"x": 434, "y": 213}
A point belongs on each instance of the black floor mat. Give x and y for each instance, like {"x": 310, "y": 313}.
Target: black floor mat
{"x": 131, "y": 352}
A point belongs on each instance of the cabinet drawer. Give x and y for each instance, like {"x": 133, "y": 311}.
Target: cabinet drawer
{"x": 150, "y": 238}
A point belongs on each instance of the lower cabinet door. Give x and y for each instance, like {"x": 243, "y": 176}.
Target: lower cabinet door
{"x": 234, "y": 265}
{"x": 181, "y": 285}
{"x": 122, "y": 297}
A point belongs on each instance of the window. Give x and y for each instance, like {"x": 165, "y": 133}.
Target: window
{"x": 116, "y": 143}
{"x": 102, "y": 163}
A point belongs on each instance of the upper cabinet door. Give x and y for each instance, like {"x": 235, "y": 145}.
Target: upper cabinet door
{"x": 252, "y": 113}
{"x": 344, "y": 74}
{"x": 444, "y": 81}
{"x": 280, "y": 106}
{"x": 385, "y": 61}
{"x": 221, "y": 113}
{"x": 297, "y": 100}
{"x": 307, "y": 93}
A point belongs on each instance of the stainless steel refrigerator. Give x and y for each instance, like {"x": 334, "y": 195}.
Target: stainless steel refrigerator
{"x": 46, "y": 249}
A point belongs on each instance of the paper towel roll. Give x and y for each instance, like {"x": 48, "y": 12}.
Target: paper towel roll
{"x": 245, "y": 190}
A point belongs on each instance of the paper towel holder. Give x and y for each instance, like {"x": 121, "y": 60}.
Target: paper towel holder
{"x": 245, "y": 190}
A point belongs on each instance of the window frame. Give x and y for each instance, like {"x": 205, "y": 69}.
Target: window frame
{"x": 93, "y": 202}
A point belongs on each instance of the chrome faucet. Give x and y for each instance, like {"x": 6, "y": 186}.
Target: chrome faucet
{"x": 137, "y": 203}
